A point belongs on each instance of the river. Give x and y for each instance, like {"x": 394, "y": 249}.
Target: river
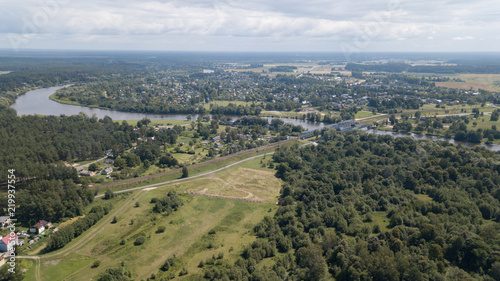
{"x": 38, "y": 102}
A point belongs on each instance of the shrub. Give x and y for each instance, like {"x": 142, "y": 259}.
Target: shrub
{"x": 161, "y": 229}
{"x": 140, "y": 240}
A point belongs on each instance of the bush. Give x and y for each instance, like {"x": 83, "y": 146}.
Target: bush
{"x": 185, "y": 172}
{"x": 161, "y": 229}
{"x": 97, "y": 263}
{"x": 140, "y": 240}
{"x": 183, "y": 272}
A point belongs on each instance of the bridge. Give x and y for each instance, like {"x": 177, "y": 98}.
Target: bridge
{"x": 343, "y": 126}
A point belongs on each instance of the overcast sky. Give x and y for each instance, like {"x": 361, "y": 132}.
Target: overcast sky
{"x": 252, "y": 25}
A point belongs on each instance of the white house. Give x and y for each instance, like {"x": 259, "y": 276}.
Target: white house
{"x": 7, "y": 243}
{"x": 107, "y": 171}
{"x": 39, "y": 227}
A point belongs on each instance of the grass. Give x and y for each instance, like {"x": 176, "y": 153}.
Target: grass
{"x": 380, "y": 219}
{"x": 363, "y": 114}
{"x": 488, "y": 82}
{"x": 282, "y": 114}
{"x": 423, "y": 197}
{"x": 161, "y": 122}
{"x": 226, "y": 103}
{"x": 197, "y": 170}
{"x": 187, "y": 230}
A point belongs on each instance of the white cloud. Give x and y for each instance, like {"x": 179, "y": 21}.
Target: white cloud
{"x": 463, "y": 38}
{"x": 288, "y": 21}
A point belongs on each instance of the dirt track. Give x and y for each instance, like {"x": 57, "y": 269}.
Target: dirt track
{"x": 179, "y": 170}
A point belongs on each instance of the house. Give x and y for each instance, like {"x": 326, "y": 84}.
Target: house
{"x": 7, "y": 243}
{"x": 4, "y": 221}
{"x": 109, "y": 161}
{"x": 85, "y": 173}
{"x": 39, "y": 227}
{"x": 107, "y": 171}
{"x": 215, "y": 139}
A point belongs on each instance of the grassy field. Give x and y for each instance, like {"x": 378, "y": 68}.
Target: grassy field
{"x": 364, "y": 114}
{"x": 162, "y": 122}
{"x": 197, "y": 170}
{"x": 284, "y": 114}
{"x": 187, "y": 230}
{"x": 490, "y": 82}
{"x": 225, "y": 103}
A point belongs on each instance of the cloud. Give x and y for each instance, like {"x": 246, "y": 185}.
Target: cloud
{"x": 294, "y": 20}
{"x": 463, "y": 38}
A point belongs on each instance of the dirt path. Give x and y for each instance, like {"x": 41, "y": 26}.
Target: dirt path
{"x": 37, "y": 265}
{"x": 193, "y": 166}
{"x": 83, "y": 238}
{"x": 249, "y": 194}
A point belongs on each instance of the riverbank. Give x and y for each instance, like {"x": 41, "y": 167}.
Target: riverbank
{"x": 68, "y": 102}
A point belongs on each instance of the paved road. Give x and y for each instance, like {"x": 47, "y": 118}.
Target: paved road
{"x": 88, "y": 164}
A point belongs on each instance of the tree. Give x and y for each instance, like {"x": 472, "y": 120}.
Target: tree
{"x": 108, "y": 194}
{"x": 393, "y": 119}
{"x": 495, "y": 115}
{"x": 93, "y": 167}
{"x": 185, "y": 172}
{"x": 120, "y": 162}
{"x": 311, "y": 259}
{"x": 418, "y": 115}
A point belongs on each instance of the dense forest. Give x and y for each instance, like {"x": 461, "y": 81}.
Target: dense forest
{"x": 36, "y": 147}
{"x": 30, "y": 144}
{"x": 368, "y": 207}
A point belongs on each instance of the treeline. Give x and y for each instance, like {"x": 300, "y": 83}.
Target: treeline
{"x": 51, "y": 200}
{"x": 31, "y": 144}
{"x": 283, "y": 68}
{"x": 37, "y": 147}
{"x": 232, "y": 109}
{"x": 367, "y": 207}
{"x": 62, "y": 237}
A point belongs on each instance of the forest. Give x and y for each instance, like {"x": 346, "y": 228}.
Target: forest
{"x": 367, "y": 207}
{"x": 37, "y": 147}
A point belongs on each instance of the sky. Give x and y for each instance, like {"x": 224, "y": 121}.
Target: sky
{"x": 252, "y": 25}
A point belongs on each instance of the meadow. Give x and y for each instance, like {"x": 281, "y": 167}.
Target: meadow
{"x": 203, "y": 227}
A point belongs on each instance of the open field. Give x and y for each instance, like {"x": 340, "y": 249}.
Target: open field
{"x": 225, "y": 103}
{"x": 187, "y": 230}
{"x": 312, "y": 68}
{"x": 161, "y": 122}
{"x": 490, "y": 82}
{"x": 193, "y": 170}
{"x": 283, "y": 114}
{"x": 364, "y": 114}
